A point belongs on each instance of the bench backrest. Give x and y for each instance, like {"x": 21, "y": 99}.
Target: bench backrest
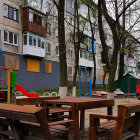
{"x": 29, "y": 114}
{"x": 125, "y": 120}
{"x": 34, "y": 101}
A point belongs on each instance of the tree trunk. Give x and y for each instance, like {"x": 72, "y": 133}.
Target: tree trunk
{"x": 62, "y": 50}
{"x": 121, "y": 70}
{"x": 76, "y": 45}
{"x": 105, "y": 72}
{"x": 122, "y": 53}
{"x": 93, "y": 53}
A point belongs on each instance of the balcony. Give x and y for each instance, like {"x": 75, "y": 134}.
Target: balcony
{"x": 33, "y": 51}
{"x": 34, "y": 22}
{"x": 86, "y": 58}
{"x": 33, "y": 45}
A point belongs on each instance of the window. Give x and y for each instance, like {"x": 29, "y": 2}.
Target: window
{"x": 48, "y": 28}
{"x": 48, "y": 48}
{"x": 25, "y": 39}
{"x": 57, "y": 50}
{"x": 42, "y": 44}
{"x": 80, "y": 53}
{"x": 71, "y": 38}
{"x": 39, "y": 20}
{"x": 11, "y": 38}
{"x": 107, "y": 76}
{"x": 34, "y": 41}
{"x": 48, "y": 67}
{"x": 56, "y": 32}
{"x": 84, "y": 55}
{"x": 48, "y": 7}
{"x": 15, "y": 39}
{"x": 36, "y": 18}
{"x": 5, "y": 10}
{"x": 100, "y": 75}
{"x": 72, "y": 3}
{"x": 30, "y": 16}
{"x": 88, "y": 73}
{"x": 70, "y": 54}
{"x": 14, "y": 60}
{"x": 91, "y": 56}
{"x": 10, "y": 12}
{"x": 30, "y": 40}
{"x": 70, "y": 71}
{"x": 5, "y": 36}
{"x": 33, "y": 65}
{"x": 39, "y": 42}
{"x": 138, "y": 67}
{"x": 43, "y": 22}
{"x": 15, "y": 14}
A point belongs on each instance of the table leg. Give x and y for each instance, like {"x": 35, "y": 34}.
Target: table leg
{"x": 110, "y": 110}
{"x": 82, "y": 120}
{"x": 75, "y": 117}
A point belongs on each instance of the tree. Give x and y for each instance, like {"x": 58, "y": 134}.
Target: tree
{"x": 92, "y": 42}
{"x": 115, "y": 27}
{"x": 62, "y": 47}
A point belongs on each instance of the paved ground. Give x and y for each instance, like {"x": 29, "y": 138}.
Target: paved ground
{"x": 84, "y": 135}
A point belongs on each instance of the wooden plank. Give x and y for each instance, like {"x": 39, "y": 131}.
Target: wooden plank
{"x": 17, "y": 108}
{"x": 61, "y": 122}
{"x": 95, "y": 104}
{"x": 34, "y": 101}
{"x": 132, "y": 108}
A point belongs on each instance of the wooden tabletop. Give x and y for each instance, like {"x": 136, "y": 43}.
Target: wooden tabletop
{"x": 84, "y": 102}
{"x": 21, "y": 109}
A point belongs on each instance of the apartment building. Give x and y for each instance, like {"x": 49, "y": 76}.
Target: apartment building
{"x": 25, "y": 34}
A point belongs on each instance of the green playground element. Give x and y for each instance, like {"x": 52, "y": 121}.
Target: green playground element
{"x": 13, "y": 79}
{"x": 4, "y": 87}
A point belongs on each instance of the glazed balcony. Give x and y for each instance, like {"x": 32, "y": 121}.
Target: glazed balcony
{"x": 33, "y": 22}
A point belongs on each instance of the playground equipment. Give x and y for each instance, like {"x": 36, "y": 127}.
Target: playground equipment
{"x": 85, "y": 82}
{"x": 9, "y": 83}
{"x": 138, "y": 91}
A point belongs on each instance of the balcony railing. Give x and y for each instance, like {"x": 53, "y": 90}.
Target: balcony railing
{"x": 33, "y": 51}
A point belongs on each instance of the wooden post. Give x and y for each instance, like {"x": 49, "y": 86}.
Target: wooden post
{"x": 8, "y": 84}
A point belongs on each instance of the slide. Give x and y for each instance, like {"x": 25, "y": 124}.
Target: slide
{"x": 24, "y": 92}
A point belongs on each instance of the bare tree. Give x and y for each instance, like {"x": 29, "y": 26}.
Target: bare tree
{"x": 62, "y": 47}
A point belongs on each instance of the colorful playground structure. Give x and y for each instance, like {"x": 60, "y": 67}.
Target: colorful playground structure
{"x": 8, "y": 83}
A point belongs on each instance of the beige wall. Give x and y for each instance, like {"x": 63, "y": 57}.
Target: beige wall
{"x": 10, "y": 25}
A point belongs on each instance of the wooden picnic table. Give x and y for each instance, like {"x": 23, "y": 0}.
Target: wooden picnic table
{"x": 81, "y": 104}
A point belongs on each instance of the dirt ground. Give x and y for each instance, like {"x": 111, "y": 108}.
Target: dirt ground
{"x": 84, "y": 134}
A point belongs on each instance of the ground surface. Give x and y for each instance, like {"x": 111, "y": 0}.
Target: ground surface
{"x": 84, "y": 134}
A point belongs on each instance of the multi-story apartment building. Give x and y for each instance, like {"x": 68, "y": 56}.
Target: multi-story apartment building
{"x": 29, "y": 38}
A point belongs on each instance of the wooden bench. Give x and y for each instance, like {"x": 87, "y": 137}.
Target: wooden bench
{"x": 53, "y": 113}
{"x": 125, "y": 126}
{"x": 30, "y": 123}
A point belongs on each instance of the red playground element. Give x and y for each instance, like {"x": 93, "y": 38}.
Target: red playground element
{"x": 23, "y": 91}
{"x": 138, "y": 89}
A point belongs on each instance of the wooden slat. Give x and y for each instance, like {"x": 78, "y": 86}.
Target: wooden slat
{"x": 59, "y": 110}
{"x": 34, "y": 101}
{"x": 61, "y": 122}
{"x": 132, "y": 108}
